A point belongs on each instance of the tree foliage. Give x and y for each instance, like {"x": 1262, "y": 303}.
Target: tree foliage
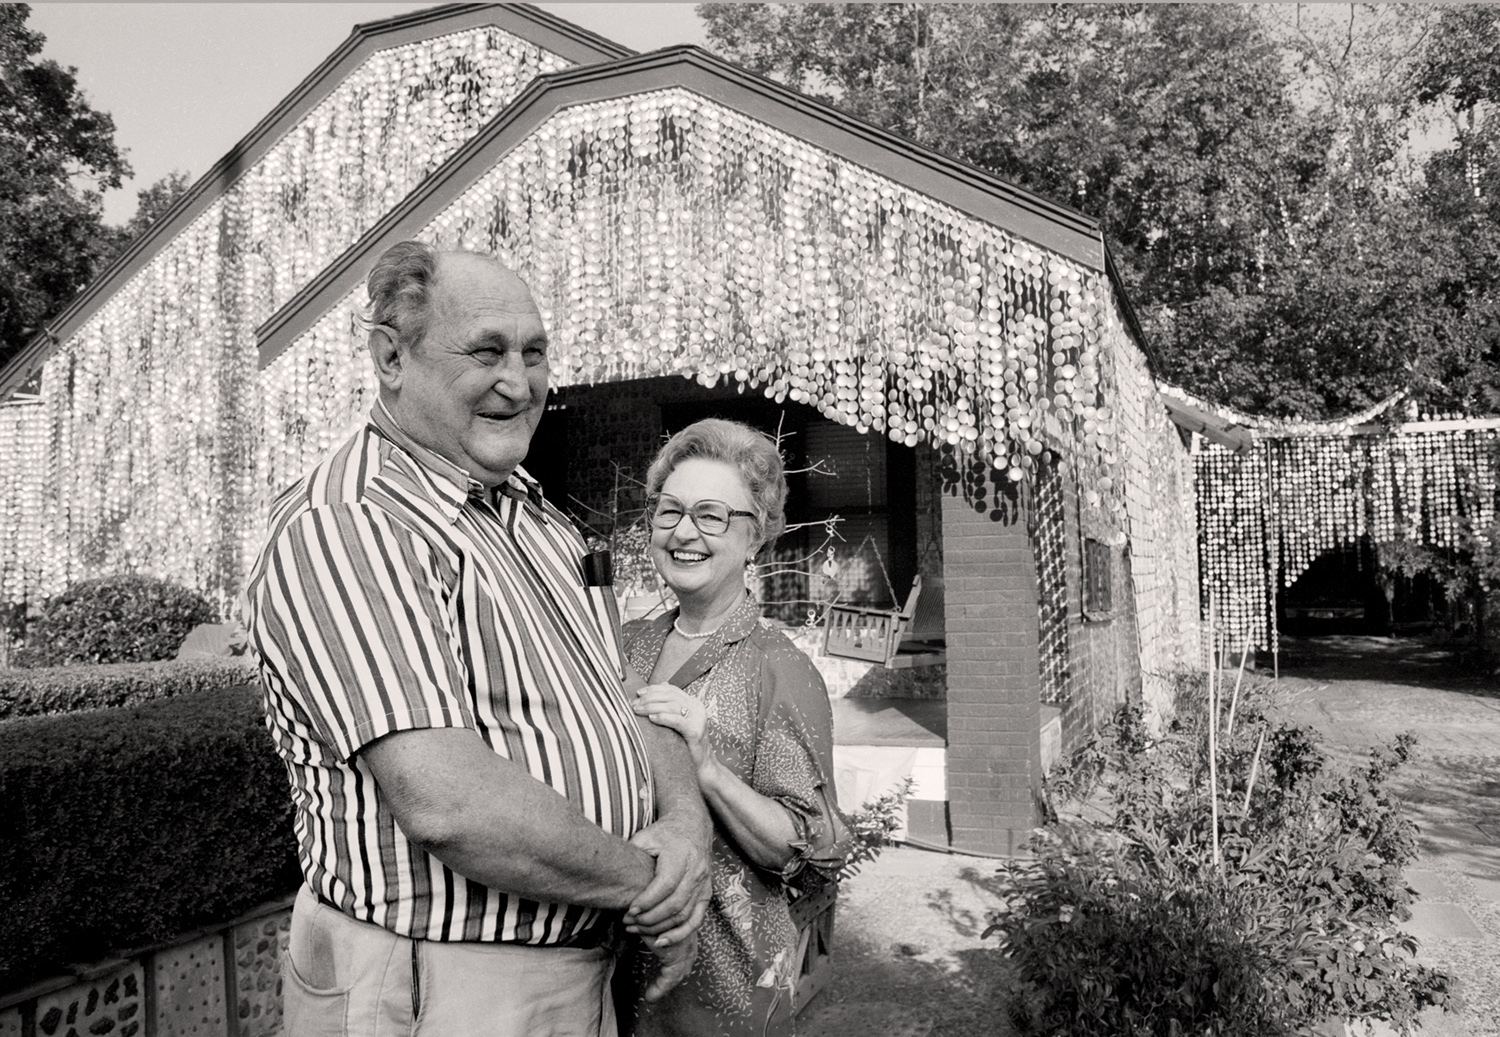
{"x": 1251, "y": 168}
{"x": 1458, "y": 77}
{"x": 151, "y": 204}
{"x": 57, "y": 154}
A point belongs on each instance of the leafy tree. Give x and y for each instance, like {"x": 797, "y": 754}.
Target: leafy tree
{"x": 1458, "y": 76}
{"x": 151, "y": 203}
{"x": 1149, "y": 117}
{"x": 56, "y": 156}
{"x": 1356, "y": 307}
{"x": 156, "y": 200}
{"x": 1371, "y": 288}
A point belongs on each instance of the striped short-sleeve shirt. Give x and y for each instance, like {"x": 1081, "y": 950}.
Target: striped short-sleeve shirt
{"x": 394, "y": 593}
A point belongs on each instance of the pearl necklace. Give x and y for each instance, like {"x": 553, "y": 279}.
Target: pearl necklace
{"x": 677, "y": 626}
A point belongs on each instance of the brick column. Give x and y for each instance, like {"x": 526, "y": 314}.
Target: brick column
{"x": 994, "y": 685}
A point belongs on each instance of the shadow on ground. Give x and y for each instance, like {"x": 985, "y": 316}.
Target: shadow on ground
{"x": 1421, "y": 662}
{"x": 892, "y": 993}
{"x": 908, "y": 955}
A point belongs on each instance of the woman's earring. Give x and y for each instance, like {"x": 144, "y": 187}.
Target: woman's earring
{"x": 752, "y": 581}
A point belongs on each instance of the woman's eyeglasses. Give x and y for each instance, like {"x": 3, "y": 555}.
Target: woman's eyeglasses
{"x": 710, "y": 516}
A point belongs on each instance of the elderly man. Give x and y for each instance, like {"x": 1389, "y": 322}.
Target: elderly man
{"x": 477, "y": 808}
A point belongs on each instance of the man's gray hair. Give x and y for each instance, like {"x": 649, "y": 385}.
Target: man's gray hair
{"x": 748, "y": 451}
{"x": 400, "y": 286}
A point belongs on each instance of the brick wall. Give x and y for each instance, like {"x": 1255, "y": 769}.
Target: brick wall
{"x": 1160, "y": 504}
{"x": 1103, "y": 663}
{"x": 1146, "y": 518}
{"x": 994, "y": 754}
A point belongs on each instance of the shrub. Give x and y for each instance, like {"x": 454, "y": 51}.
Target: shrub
{"x": 114, "y": 619}
{"x": 874, "y": 825}
{"x": 1129, "y": 925}
{"x": 1117, "y": 953}
{"x": 66, "y": 689}
{"x": 129, "y": 827}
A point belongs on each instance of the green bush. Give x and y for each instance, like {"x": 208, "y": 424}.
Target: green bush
{"x": 874, "y": 825}
{"x": 1127, "y": 925}
{"x": 114, "y": 619}
{"x": 1119, "y": 953}
{"x": 66, "y": 689}
{"x": 128, "y": 827}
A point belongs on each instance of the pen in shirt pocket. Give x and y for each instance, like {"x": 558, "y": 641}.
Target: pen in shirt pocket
{"x": 599, "y": 581}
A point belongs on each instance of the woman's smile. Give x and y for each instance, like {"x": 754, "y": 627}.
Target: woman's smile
{"x": 705, "y": 570}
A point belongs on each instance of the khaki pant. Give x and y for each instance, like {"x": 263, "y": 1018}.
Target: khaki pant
{"x": 343, "y": 978}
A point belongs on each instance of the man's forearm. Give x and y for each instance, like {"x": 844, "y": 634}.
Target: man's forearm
{"x": 493, "y": 823}
{"x": 677, "y": 793}
{"x": 680, "y": 840}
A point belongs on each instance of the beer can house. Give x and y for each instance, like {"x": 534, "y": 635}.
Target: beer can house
{"x": 956, "y": 350}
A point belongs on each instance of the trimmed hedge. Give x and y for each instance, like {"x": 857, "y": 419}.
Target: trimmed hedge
{"x": 127, "y": 827}
{"x": 113, "y": 619}
{"x": 65, "y": 689}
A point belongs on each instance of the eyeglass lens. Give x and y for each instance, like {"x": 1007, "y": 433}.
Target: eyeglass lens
{"x": 710, "y": 516}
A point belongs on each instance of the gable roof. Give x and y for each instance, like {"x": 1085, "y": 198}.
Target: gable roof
{"x": 1054, "y": 227}
{"x": 530, "y": 23}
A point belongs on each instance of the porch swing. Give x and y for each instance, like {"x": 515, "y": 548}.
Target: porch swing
{"x": 898, "y": 639}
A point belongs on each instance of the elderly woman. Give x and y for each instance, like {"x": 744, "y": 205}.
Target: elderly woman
{"x": 753, "y": 710}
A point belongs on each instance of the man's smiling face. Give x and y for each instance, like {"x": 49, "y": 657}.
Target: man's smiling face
{"x": 475, "y": 386}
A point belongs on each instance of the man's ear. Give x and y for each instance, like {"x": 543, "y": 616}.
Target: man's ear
{"x": 386, "y": 352}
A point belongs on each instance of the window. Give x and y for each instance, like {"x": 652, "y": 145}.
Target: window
{"x": 1097, "y": 565}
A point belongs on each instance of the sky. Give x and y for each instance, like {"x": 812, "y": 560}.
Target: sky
{"x": 185, "y": 81}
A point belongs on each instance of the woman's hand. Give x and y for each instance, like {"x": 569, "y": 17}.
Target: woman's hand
{"x": 674, "y": 962}
{"x": 668, "y": 706}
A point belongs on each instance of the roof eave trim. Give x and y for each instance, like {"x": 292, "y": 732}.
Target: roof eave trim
{"x": 1051, "y": 226}
{"x": 1128, "y": 312}
{"x": 1184, "y": 415}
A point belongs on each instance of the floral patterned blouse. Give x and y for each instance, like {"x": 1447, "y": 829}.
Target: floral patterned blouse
{"x": 769, "y": 722}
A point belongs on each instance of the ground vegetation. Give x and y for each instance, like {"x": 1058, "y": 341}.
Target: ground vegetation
{"x": 1259, "y": 894}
